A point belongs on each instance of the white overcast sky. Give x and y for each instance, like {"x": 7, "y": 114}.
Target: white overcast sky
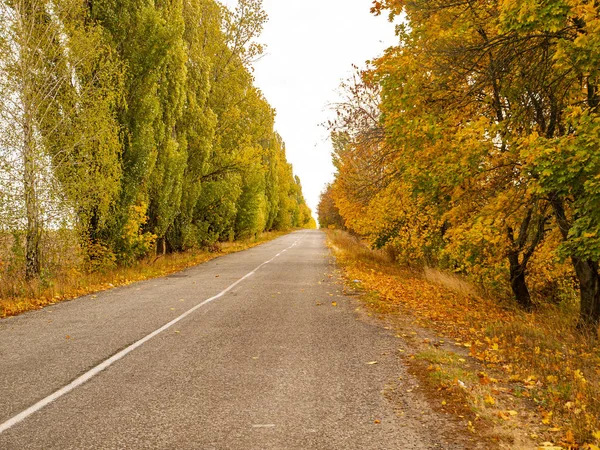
{"x": 311, "y": 46}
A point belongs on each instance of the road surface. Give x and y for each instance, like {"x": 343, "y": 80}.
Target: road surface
{"x": 266, "y": 360}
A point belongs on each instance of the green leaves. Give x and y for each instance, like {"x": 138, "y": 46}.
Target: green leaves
{"x": 140, "y": 126}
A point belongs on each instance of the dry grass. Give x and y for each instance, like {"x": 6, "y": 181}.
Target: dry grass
{"x": 70, "y": 282}
{"x": 353, "y": 247}
{"x": 540, "y": 358}
{"x": 450, "y": 281}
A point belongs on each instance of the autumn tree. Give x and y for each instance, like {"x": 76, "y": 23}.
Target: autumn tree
{"x": 562, "y": 150}
{"x": 328, "y": 212}
{"x": 487, "y": 110}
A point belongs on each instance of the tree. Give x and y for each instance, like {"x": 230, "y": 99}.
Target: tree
{"x": 198, "y": 122}
{"x": 166, "y": 179}
{"x": 328, "y": 213}
{"x": 62, "y": 86}
{"x": 493, "y": 103}
{"x": 134, "y": 123}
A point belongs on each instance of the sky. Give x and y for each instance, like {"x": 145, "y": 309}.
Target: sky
{"x": 310, "y": 48}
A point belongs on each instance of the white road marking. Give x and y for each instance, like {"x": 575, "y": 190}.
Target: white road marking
{"x": 109, "y": 362}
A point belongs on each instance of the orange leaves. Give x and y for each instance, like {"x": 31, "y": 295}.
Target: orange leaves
{"x": 377, "y": 8}
{"x": 507, "y": 415}
{"x": 534, "y": 358}
{"x": 484, "y": 379}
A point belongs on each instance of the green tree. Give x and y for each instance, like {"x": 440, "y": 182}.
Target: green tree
{"x": 58, "y": 69}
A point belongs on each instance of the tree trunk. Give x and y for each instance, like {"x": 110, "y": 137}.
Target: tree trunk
{"x": 33, "y": 229}
{"x": 161, "y": 247}
{"x": 589, "y": 287}
{"x": 518, "y": 283}
{"x": 32, "y": 236}
{"x": 174, "y": 235}
{"x": 586, "y": 271}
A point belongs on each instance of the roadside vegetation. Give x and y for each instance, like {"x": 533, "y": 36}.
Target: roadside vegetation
{"x": 130, "y": 131}
{"x": 522, "y": 380}
{"x": 67, "y": 282}
{"x": 473, "y": 147}
{"x": 468, "y": 172}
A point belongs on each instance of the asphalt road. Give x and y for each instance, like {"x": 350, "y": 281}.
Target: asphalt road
{"x": 270, "y": 364}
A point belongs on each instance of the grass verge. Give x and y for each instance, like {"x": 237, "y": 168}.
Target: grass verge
{"x": 531, "y": 379}
{"x": 75, "y": 284}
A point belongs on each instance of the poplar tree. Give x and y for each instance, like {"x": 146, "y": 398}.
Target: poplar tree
{"x": 60, "y": 82}
{"x": 136, "y": 127}
{"x": 166, "y": 179}
{"x": 198, "y": 122}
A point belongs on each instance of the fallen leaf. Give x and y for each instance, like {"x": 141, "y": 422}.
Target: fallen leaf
{"x": 569, "y": 437}
{"x": 333, "y": 303}
{"x": 471, "y": 427}
{"x": 372, "y": 363}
